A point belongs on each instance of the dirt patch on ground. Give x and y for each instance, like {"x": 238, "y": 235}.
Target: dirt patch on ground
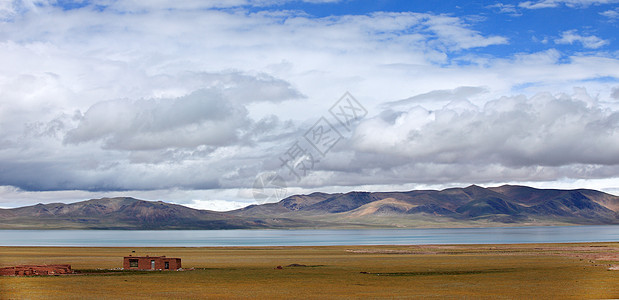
{"x": 388, "y": 251}
{"x": 592, "y": 253}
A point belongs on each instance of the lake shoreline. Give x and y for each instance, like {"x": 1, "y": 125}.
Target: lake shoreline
{"x": 314, "y": 237}
{"x": 321, "y": 246}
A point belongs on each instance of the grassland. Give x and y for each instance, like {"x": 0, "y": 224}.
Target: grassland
{"x": 562, "y": 271}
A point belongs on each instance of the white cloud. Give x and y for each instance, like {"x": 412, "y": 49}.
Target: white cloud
{"x": 440, "y": 96}
{"x": 611, "y": 14}
{"x": 218, "y": 205}
{"x": 6, "y": 9}
{"x": 202, "y": 118}
{"x": 568, "y": 3}
{"x": 199, "y": 199}
{"x": 510, "y": 9}
{"x": 456, "y": 36}
{"x": 590, "y": 41}
{"x": 13, "y": 7}
{"x": 170, "y": 99}
{"x": 513, "y": 132}
{"x": 210, "y": 117}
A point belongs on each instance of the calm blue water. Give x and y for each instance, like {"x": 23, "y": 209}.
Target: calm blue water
{"x": 322, "y": 237}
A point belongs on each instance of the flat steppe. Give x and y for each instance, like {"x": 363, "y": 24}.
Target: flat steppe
{"x": 561, "y": 271}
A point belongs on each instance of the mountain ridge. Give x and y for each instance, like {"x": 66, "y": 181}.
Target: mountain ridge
{"x": 472, "y": 206}
{"x": 117, "y": 213}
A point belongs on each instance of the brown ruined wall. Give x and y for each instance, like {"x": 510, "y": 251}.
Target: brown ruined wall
{"x": 30, "y": 270}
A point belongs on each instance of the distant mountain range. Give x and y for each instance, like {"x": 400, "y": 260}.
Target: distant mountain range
{"x": 473, "y": 206}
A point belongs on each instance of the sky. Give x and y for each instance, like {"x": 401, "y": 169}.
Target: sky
{"x": 221, "y": 104}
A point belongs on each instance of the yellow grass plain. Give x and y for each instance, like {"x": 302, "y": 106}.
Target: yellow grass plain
{"x": 523, "y": 271}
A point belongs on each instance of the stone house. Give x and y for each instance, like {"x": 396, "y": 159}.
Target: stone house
{"x": 151, "y": 263}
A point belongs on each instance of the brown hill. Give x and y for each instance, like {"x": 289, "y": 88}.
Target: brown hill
{"x": 504, "y": 204}
{"x": 118, "y": 213}
{"x": 455, "y": 207}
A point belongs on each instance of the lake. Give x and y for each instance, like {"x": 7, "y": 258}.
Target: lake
{"x": 318, "y": 237}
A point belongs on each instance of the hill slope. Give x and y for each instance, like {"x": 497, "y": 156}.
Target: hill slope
{"x": 455, "y": 207}
{"x": 117, "y": 213}
{"x": 470, "y": 206}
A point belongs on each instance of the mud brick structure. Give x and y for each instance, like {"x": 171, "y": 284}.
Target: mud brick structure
{"x": 32, "y": 270}
{"x": 151, "y": 263}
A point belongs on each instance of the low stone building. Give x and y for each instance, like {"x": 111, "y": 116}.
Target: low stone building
{"x": 151, "y": 263}
{"x": 32, "y": 270}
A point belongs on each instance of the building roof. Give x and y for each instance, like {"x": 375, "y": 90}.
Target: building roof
{"x": 162, "y": 256}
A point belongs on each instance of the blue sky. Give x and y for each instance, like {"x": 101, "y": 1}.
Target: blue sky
{"x": 190, "y": 102}
{"x": 527, "y": 29}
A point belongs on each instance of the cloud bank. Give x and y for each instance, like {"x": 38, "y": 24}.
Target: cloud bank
{"x": 192, "y": 100}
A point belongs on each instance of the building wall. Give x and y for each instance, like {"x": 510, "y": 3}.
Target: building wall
{"x": 29, "y": 270}
{"x": 175, "y": 263}
{"x": 144, "y": 263}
